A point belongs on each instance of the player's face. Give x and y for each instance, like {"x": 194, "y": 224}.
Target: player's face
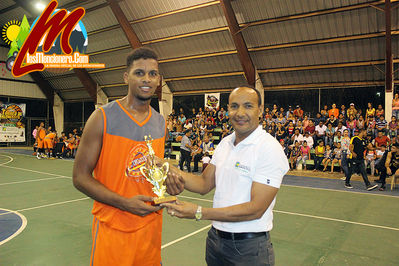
{"x": 244, "y": 111}
{"x": 142, "y": 78}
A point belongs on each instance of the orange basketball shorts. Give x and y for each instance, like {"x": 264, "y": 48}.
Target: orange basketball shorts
{"x": 114, "y": 247}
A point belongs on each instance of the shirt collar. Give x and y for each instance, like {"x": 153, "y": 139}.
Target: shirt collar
{"x": 251, "y": 139}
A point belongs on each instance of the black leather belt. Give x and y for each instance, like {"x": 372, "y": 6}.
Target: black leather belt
{"x": 238, "y": 236}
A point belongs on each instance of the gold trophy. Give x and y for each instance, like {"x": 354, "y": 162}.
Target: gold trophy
{"x": 156, "y": 175}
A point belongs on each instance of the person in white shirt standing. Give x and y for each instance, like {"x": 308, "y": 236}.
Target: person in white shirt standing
{"x": 246, "y": 169}
{"x": 320, "y": 131}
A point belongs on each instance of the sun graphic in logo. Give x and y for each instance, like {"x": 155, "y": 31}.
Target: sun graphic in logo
{"x": 10, "y": 31}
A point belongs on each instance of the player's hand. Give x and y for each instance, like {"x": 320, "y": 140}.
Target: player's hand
{"x": 140, "y": 205}
{"x": 354, "y": 155}
{"x": 389, "y": 171}
{"x": 174, "y": 183}
{"x": 181, "y": 209}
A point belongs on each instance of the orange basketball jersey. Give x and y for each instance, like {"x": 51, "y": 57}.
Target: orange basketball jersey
{"x": 123, "y": 152}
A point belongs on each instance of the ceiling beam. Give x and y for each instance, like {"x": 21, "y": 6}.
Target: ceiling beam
{"x": 255, "y": 49}
{"x": 250, "y": 24}
{"x": 124, "y": 24}
{"x": 44, "y": 86}
{"x": 130, "y": 34}
{"x": 388, "y": 49}
{"x": 4, "y": 10}
{"x": 87, "y": 81}
{"x": 113, "y": 27}
{"x": 270, "y": 70}
{"x": 239, "y": 42}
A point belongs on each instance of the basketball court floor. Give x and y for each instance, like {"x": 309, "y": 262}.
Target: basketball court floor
{"x": 44, "y": 220}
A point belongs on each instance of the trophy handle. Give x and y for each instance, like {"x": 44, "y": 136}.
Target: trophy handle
{"x": 144, "y": 171}
{"x": 165, "y": 169}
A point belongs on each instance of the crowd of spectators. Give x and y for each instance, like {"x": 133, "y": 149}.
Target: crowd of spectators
{"x": 321, "y": 140}
{"x": 326, "y": 137}
{"x": 196, "y": 131}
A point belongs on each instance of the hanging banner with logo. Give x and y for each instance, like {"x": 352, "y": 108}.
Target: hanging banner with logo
{"x": 212, "y": 100}
{"x": 12, "y": 128}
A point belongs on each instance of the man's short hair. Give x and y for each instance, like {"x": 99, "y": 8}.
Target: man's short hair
{"x": 257, "y": 92}
{"x": 396, "y": 145}
{"x": 140, "y": 53}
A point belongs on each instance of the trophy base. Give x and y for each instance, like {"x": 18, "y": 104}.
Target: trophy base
{"x": 168, "y": 199}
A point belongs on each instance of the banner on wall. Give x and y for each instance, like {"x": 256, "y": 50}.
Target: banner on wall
{"x": 212, "y": 100}
{"x": 12, "y": 128}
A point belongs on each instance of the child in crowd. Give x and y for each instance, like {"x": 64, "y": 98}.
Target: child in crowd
{"x": 328, "y": 157}
{"x": 304, "y": 154}
{"x": 319, "y": 155}
{"x": 205, "y": 161}
{"x": 337, "y": 153}
{"x": 369, "y": 157}
{"x": 295, "y": 153}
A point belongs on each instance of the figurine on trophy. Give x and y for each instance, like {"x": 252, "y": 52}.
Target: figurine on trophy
{"x": 156, "y": 175}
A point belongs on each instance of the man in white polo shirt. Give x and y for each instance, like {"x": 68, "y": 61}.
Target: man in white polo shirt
{"x": 246, "y": 169}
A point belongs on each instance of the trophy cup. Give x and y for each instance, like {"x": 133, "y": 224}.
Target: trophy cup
{"x": 156, "y": 175}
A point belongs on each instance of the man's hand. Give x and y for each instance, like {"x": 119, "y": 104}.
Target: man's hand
{"x": 181, "y": 209}
{"x": 174, "y": 183}
{"x": 354, "y": 155}
{"x": 140, "y": 205}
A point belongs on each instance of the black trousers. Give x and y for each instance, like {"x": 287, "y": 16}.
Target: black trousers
{"x": 248, "y": 252}
{"x": 185, "y": 157}
{"x": 197, "y": 158}
{"x": 357, "y": 166}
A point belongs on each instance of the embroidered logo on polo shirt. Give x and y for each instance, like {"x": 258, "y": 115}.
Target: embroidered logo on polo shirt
{"x": 242, "y": 167}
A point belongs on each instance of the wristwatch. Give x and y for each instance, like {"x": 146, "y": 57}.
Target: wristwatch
{"x": 198, "y": 213}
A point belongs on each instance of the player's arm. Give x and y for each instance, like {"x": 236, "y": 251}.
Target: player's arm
{"x": 85, "y": 162}
{"x": 261, "y": 197}
{"x": 351, "y": 150}
{"x": 388, "y": 162}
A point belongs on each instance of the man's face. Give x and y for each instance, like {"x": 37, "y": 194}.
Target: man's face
{"x": 334, "y": 106}
{"x": 142, "y": 78}
{"x": 380, "y": 134}
{"x": 244, "y": 111}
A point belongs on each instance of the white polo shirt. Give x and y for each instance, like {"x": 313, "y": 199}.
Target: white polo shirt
{"x": 257, "y": 158}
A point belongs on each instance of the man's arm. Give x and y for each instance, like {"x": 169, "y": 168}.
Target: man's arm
{"x": 261, "y": 197}
{"x": 85, "y": 162}
{"x": 201, "y": 184}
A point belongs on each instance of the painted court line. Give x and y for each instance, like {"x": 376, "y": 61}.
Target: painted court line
{"x": 24, "y": 223}
{"x": 186, "y": 236}
{"x": 314, "y": 216}
{"x": 32, "y": 180}
{"x": 283, "y": 185}
{"x": 34, "y": 171}
{"x": 10, "y": 159}
{"x": 48, "y": 205}
{"x": 337, "y": 220}
{"x": 345, "y": 191}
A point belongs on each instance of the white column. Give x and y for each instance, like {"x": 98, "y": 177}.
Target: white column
{"x": 388, "y": 105}
{"x": 102, "y": 99}
{"x": 166, "y": 102}
{"x": 259, "y": 86}
{"x": 58, "y": 110}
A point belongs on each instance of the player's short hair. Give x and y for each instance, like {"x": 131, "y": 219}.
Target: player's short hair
{"x": 140, "y": 53}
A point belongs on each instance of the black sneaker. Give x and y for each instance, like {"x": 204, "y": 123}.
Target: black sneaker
{"x": 378, "y": 180}
{"x": 348, "y": 186}
{"x": 382, "y": 188}
{"x": 371, "y": 187}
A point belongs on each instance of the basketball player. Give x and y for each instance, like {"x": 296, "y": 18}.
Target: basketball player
{"x": 126, "y": 227}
